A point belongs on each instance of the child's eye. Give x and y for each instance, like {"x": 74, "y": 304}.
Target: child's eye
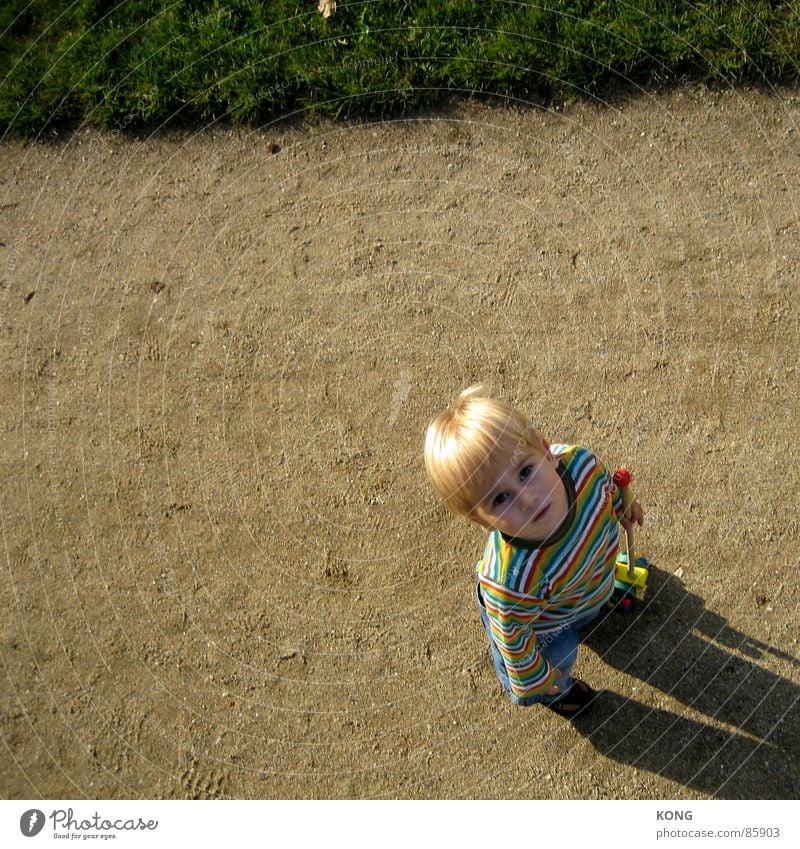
{"x": 499, "y": 499}
{"x": 525, "y": 471}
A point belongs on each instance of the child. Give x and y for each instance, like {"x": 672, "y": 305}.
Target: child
{"x": 548, "y": 565}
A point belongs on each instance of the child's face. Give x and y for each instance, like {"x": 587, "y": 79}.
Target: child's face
{"x": 528, "y": 499}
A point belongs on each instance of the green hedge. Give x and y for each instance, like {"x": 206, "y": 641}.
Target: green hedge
{"x": 147, "y": 62}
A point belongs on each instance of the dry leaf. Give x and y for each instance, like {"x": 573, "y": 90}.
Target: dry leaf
{"x": 326, "y": 7}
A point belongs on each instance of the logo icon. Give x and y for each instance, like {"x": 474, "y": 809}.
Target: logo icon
{"x": 31, "y": 822}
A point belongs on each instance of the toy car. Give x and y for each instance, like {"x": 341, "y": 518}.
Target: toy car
{"x": 629, "y": 586}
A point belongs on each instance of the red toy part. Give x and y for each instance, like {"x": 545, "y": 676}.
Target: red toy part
{"x": 622, "y": 477}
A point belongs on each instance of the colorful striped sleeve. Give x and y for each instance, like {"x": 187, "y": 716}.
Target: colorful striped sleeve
{"x": 511, "y": 620}
{"x": 614, "y": 490}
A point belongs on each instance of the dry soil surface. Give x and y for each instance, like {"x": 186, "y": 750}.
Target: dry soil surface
{"x": 224, "y": 572}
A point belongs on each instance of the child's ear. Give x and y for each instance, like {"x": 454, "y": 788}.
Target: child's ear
{"x": 473, "y": 517}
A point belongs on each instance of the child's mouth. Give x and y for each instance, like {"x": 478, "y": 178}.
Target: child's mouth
{"x": 541, "y": 513}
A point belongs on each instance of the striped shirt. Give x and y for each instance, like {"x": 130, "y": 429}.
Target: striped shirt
{"x": 529, "y": 589}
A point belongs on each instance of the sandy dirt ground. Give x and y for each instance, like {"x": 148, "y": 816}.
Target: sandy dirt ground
{"x": 224, "y": 572}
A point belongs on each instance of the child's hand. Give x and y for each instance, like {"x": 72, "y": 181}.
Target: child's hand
{"x": 555, "y": 689}
{"x": 635, "y": 514}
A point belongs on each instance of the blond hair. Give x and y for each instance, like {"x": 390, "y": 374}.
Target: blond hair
{"x": 469, "y": 442}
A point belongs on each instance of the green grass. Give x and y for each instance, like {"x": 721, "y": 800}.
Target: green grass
{"x": 142, "y": 63}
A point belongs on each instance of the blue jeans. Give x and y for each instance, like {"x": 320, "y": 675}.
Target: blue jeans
{"x": 559, "y": 648}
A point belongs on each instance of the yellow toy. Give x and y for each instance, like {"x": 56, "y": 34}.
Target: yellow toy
{"x": 631, "y": 572}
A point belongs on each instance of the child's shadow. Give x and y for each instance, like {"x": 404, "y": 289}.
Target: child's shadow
{"x": 677, "y": 646}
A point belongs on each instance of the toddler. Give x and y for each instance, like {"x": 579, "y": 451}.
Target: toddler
{"x": 547, "y": 569}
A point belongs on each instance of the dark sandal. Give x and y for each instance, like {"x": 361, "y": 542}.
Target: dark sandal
{"x": 576, "y": 700}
